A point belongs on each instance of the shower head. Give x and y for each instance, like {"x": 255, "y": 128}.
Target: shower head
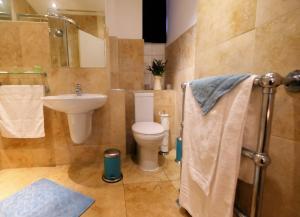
{"x": 58, "y": 33}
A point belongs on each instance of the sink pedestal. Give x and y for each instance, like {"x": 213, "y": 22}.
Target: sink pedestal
{"x": 79, "y": 110}
{"x": 80, "y": 126}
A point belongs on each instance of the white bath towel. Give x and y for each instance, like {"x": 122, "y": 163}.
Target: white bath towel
{"x": 212, "y": 147}
{"x": 21, "y": 111}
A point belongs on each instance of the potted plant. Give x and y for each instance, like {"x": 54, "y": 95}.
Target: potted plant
{"x": 158, "y": 69}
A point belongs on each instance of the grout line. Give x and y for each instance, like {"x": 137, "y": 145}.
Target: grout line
{"x": 163, "y": 169}
{"x": 124, "y": 198}
{"x": 145, "y": 182}
{"x": 284, "y": 138}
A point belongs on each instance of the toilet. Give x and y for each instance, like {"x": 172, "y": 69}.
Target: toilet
{"x": 148, "y": 134}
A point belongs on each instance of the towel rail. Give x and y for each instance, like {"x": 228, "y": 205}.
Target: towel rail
{"x": 268, "y": 82}
{"x": 43, "y": 74}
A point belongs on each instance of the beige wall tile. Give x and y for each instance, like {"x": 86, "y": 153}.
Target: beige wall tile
{"x": 88, "y": 23}
{"x": 233, "y": 56}
{"x": 277, "y": 44}
{"x": 267, "y": 10}
{"x": 286, "y": 118}
{"x": 62, "y": 155}
{"x": 131, "y": 55}
{"x": 131, "y": 64}
{"x": 180, "y": 68}
{"x": 10, "y": 52}
{"x": 127, "y": 72}
{"x": 92, "y": 80}
{"x": 118, "y": 121}
{"x": 218, "y": 21}
{"x": 131, "y": 80}
{"x": 34, "y": 39}
{"x": 165, "y": 101}
{"x": 24, "y": 44}
{"x": 130, "y": 144}
{"x": 282, "y": 181}
{"x": 181, "y": 53}
{"x": 16, "y": 158}
{"x": 114, "y": 61}
{"x": 27, "y": 157}
{"x": 22, "y": 7}
{"x": 43, "y": 157}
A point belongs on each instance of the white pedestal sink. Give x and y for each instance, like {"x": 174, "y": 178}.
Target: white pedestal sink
{"x": 79, "y": 110}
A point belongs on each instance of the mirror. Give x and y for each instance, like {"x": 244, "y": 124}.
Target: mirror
{"x": 76, "y": 28}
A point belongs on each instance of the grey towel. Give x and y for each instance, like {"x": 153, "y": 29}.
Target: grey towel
{"x": 207, "y": 91}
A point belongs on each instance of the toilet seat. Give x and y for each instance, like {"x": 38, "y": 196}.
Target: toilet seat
{"x": 147, "y": 128}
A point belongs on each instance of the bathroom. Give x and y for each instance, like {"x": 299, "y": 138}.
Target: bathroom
{"x": 101, "y": 50}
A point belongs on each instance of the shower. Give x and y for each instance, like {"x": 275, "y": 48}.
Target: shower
{"x": 58, "y": 33}
{"x": 61, "y": 43}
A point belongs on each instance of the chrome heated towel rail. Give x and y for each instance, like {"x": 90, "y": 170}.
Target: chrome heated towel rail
{"x": 269, "y": 83}
{"x": 21, "y": 75}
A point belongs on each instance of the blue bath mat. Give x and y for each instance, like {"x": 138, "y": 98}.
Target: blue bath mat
{"x": 45, "y": 198}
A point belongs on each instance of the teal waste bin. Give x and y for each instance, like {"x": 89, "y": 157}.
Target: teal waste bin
{"x": 112, "y": 166}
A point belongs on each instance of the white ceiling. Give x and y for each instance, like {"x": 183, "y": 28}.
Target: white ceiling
{"x": 41, "y": 6}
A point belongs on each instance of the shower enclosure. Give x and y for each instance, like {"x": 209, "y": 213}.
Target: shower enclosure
{"x": 76, "y": 37}
{"x": 63, "y": 36}
{"x": 5, "y": 9}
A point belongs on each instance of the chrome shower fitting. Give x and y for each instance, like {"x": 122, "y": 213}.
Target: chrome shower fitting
{"x": 58, "y": 33}
{"x": 78, "y": 90}
{"x": 292, "y": 81}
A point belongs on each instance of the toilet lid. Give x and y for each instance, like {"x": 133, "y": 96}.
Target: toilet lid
{"x": 147, "y": 128}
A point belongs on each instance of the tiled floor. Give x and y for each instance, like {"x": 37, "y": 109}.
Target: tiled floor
{"x": 139, "y": 194}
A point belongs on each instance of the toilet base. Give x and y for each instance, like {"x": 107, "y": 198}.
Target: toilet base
{"x": 148, "y": 158}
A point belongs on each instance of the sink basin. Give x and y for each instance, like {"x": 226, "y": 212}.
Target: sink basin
{"x": 79, "y": 110}
{"x": 72, "y": 104}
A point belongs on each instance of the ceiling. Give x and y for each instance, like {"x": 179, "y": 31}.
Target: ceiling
{"x": 41, "y": 6}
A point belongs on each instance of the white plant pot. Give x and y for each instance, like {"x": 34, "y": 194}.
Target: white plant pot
{"x": 157, "y": 83}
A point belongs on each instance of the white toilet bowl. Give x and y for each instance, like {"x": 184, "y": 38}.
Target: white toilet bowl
{"x": 149, "y": 137}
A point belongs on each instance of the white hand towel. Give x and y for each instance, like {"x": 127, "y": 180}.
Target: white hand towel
{"x": 21, "y": 111}
{"x": 212, "y": 147}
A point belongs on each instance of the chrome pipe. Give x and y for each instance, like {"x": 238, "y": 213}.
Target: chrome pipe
{"x": 50, "y": 15}
{"x": 79, "y": 12}
{"x": 61, "y": 17}
{"x": 292, "y": 81}
{"x": 248, "y": 153}
{"x": 259, "y": 158}
{"x": 269, "y": 82}
{"x": 4, "y": 13}
{"x": 183, "y": 87}
{"x": 66, "y": 43}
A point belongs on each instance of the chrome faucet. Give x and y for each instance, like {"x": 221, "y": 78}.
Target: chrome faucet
{"x": 78, "y": 90}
